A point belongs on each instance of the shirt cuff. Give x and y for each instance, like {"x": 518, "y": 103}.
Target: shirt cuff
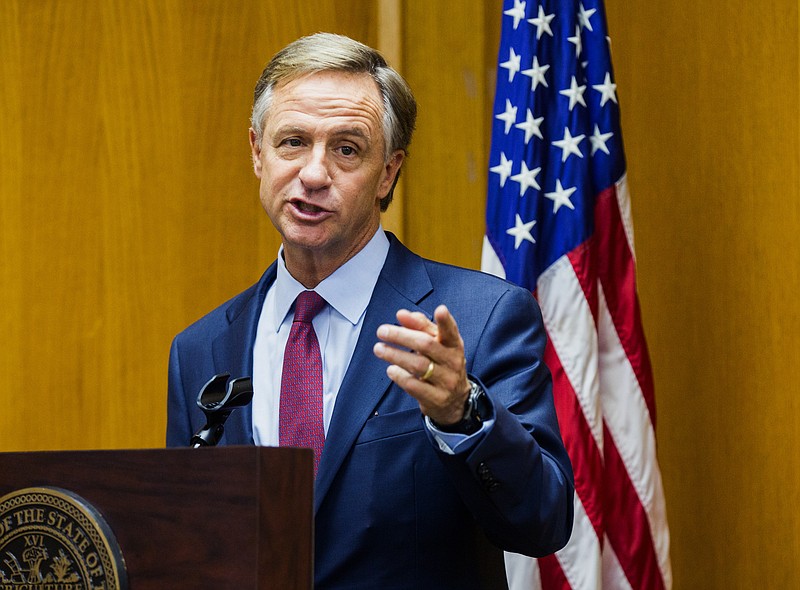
{"x": 453, "y": 442}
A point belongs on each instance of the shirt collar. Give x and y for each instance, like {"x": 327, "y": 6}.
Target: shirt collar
{"x": 348, "y": 290}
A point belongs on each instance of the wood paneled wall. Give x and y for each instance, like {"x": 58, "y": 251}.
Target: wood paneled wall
{"x": 128, "y": 209}
{"x": 450, "y": 60}
{"x": 129, "y": 206}
{"x": 710, "y": 102}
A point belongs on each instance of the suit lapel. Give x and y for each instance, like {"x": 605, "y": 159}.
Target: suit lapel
{"x": 233, "y": 353}
{"x": 403, "y": 283}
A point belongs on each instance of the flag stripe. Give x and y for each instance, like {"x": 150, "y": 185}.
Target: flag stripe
{"x": 490, "y": 263}
{"x": 522, "y": 571}
{"x": 627, "y": 526}
{"x": 584, "y": 262}
{"x": 624, "y": 204}
{"x": 632, "y": 437}
{"x": 586, "y": 457}
{"x": 581, "y": 560}
{"x": 617, "y": 275}
{"x": 571, "y": 330}
{"x": 552, "y": 576}
{"x": 613, "y": 576}
{"x": 624, "y": 410}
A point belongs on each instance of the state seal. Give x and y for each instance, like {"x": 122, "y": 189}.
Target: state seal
{"x": 52, "y": 539}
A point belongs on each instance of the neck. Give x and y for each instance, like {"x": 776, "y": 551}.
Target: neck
{"x": 310, "y": 267}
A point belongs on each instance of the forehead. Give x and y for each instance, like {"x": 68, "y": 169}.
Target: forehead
{"x": 328, "y": 96}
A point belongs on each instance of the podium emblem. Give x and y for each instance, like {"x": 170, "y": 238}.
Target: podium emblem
{"x": 53, "y": 539}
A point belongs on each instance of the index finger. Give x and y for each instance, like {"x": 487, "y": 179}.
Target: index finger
{"x": 449, "y": 335}
{"x": 416, "y": 320}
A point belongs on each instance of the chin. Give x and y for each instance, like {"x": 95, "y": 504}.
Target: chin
{"x": 305, "y": 238}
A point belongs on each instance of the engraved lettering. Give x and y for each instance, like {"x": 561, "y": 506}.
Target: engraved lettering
{"x": 29, "y": 516}
{"x": 34, "y": 541}
{"x": 92, "y": 560}
{"x": 55, "y": 519}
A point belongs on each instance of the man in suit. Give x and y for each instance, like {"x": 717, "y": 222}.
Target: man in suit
{"x": 430, "y": 409}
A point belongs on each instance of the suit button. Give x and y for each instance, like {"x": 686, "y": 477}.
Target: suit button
{"x": 486, "y": 477}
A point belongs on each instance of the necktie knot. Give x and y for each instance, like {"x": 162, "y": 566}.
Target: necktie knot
{"x": 307, "y": 305}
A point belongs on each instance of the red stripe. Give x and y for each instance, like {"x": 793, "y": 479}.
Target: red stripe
{"x": 617, "y": 273}
{"x": 584, "y": 263}
{"x": 627, "y": 527}
{"x": 552, "y": 575}
{"x": 586, "y": 460}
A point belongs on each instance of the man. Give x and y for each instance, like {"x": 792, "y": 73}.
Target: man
{"x": 431, "y": 398}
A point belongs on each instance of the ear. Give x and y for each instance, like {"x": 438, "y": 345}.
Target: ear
{"x": 391, "y": 170}
{"x": 255, "y": 151}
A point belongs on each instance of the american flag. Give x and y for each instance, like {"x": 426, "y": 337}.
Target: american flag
{"x": 558, "y": 222}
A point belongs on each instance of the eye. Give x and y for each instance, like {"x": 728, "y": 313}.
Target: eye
{"x": 292, "y": 142}
{"x": 347, "y": 150}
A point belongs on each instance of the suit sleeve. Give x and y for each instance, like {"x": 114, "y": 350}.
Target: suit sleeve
{"x": 178, "y": 422}
{"x": 517, "y": 480}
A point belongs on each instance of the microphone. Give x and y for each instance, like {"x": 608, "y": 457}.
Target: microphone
{"x": 217, "y": 403}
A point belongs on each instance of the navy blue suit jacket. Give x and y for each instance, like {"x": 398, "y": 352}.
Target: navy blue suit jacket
{"x": 391, "y": 509}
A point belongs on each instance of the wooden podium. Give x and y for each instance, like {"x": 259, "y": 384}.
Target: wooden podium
{"x": 225, "y": 518}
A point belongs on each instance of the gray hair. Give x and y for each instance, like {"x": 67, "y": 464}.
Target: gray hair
{"x": 325, "y": 52}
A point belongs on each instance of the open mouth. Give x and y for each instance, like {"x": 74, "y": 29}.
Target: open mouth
{"x": 307, "y": 207}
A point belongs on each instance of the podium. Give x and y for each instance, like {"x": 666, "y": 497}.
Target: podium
{"x": 223, "y": 517}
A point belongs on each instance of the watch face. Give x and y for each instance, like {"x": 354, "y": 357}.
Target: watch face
{"x": 481, "y": 407}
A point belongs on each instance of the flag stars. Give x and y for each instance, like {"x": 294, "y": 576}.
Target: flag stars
{"x": 536, "y": 74}
{"x": 526, "y": 178}
{"x": 512, "y": 65}
{"x": 569, "y": 145}
{"x": 599, "y": 140}
{"x": 584, "y": 16}
{"x": 542, "y": 23}
{"x": 574, "y": 93}
{"x": 607, "y": 90}
{"x": 517, "y": 13}
{"x": 521, "y": 232}
{"x": 531, "y": 126}
{"x": 509, "y": 116}
{"x": 561, "y": 196}
{"x": 503, "y": 169}
{"x": 576, "y": 41}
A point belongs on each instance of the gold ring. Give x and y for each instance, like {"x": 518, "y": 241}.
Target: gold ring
{"x": 428, "y": 371}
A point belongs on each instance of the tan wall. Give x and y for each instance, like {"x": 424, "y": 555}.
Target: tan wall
{"x": 128, "y": 208}
{"x": 710, "y": 103}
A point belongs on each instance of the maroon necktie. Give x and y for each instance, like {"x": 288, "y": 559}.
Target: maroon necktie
{"x": 301, "y": 382}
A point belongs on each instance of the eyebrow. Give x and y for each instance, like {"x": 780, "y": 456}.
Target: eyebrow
{"x": 289, "y": 130}
{"x": 343, "y": 132}
{"x": 356, "y": 131}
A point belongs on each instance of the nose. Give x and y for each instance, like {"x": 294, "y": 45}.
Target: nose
{"x": 314, "y": 174}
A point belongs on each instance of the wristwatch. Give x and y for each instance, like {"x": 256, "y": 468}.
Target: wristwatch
{"x": 476, "y": 409}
